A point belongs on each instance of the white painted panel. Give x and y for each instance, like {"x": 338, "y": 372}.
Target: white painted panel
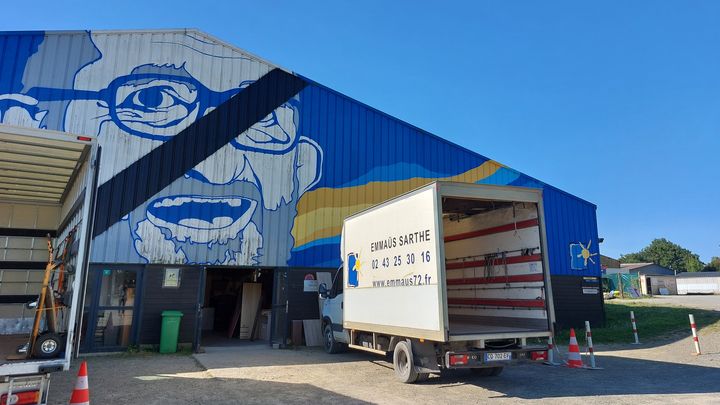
{"x": 500, "y": 242}
{"x": 523, "y": 211}
{"x": 389, "y": 289}
{"x": 704, "y": 285}
{"x": 496, "y": 271}
{"x": 408, "y": 307}
{"x": 530, "y": 291}
{"x": 499, "y": 313}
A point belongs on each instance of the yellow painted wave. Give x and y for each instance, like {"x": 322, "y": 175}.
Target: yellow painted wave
{"x": 321, "y": 211}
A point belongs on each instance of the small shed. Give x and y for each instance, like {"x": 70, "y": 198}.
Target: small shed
{"x": 704, "y": 282}
{"x": 653, "y": 278}
{"x": 658, "y": 284}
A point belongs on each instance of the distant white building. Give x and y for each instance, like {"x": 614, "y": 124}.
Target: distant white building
{"x": 704, "y": 282}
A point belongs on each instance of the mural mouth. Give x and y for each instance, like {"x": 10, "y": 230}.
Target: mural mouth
{"x": 200, "y": 219}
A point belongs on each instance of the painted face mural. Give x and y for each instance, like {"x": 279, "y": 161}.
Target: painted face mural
{"x": 239, "y": 201}
{"x": 219, "y": 211}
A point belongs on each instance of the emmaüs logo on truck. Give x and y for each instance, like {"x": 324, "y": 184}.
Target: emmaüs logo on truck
{"x": 400, "y": 240}
{"x": 353, "y": 261}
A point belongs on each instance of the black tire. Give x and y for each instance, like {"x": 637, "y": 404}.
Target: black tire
{"x": 48, "y": 346}
{"x": 404, "y": 364}
{"x": 331, "y": 345}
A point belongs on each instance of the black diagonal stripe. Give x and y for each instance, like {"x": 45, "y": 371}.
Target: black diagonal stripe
{"x": 153, "y": 172}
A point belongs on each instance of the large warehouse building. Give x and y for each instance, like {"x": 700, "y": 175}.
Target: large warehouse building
{"x": 217, "y": 168}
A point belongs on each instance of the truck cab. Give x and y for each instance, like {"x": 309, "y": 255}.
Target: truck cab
{"x": 335, "y": 336}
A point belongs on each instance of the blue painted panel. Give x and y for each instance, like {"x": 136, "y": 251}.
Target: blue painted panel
{"x": 571, "y": 227}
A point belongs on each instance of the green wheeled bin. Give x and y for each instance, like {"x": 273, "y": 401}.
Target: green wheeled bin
{"x": 169, "y": 331}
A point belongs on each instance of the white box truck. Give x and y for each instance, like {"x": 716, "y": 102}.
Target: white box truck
{"x": 46, "y": 187}
{"x": 451, "y": 275}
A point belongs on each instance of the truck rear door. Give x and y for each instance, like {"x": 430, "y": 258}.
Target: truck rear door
{"x": 392, "y": 268}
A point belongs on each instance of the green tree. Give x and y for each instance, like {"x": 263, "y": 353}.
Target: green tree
{"x": 666, "y": 254}
{"x": 714, "y": 264}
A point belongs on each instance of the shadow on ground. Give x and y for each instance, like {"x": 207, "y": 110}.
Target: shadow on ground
{"x": 263, "y": 356}
{"x": 178, "y": 379}
{"x": 619, "y": 376}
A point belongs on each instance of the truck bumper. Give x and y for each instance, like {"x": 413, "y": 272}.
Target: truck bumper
{"x": 494, "y": 358}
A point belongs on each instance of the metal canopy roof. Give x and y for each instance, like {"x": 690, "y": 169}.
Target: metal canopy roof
{"x": 38, "y": 164}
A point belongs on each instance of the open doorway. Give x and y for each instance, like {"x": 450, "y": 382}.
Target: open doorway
{"x": 236, "y": 306}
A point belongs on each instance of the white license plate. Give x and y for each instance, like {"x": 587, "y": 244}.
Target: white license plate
{"x": 503, "y": 356}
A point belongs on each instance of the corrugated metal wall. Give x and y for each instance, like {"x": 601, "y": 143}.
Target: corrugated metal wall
{"x": 570, "y": 220}
{"x": 276, "y": 194}
{"x": 371, "y": 157}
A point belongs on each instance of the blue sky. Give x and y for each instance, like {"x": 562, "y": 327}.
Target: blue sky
{"x": 617, "y": 102}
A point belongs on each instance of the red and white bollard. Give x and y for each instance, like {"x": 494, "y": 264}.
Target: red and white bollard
{"x": 634, "y": 327}
{"x": 693, "y": 327}
{"x": 588, "y": 337}
{"x": 551, "y": 349}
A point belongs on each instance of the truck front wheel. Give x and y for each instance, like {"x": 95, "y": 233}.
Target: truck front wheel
{"x": 403, "y": 363}
{"x": 331, "y": 345}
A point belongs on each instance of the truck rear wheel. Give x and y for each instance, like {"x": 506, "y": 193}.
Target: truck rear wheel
{"x": 403, "y": 363}
{"x": 331, "y": 345}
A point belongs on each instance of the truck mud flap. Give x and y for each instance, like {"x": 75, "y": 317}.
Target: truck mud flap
{"x": 425, "y": 357}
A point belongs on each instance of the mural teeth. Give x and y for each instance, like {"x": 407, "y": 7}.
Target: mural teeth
{"x": 202, "y": 219}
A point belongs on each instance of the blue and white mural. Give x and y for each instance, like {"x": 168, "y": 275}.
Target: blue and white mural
{"x": 274, "y": 194}
{"x": 135, "y": 92}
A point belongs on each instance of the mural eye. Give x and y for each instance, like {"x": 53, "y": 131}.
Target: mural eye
{"x": 154, "y": 98}
{"x": 155, "y": 107}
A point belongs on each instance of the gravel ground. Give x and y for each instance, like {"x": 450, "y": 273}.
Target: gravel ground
{"x": 655, "y": 372}
{"x": 662, "y": 372}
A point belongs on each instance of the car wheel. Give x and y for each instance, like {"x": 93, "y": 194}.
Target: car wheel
{"x": 331, "y": 345}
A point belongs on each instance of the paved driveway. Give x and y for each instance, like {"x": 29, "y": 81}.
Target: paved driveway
{"x": 659, "y": 373}
{"x": 709, "y": 302}
{"x": 655, "y": 372}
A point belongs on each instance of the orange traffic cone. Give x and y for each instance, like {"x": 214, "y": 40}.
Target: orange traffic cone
{"x": 574, "y": 360}
{"x": 81, "y": 393}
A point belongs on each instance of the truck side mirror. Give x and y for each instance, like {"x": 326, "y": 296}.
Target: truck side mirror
{"x": 323, "y": 290}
